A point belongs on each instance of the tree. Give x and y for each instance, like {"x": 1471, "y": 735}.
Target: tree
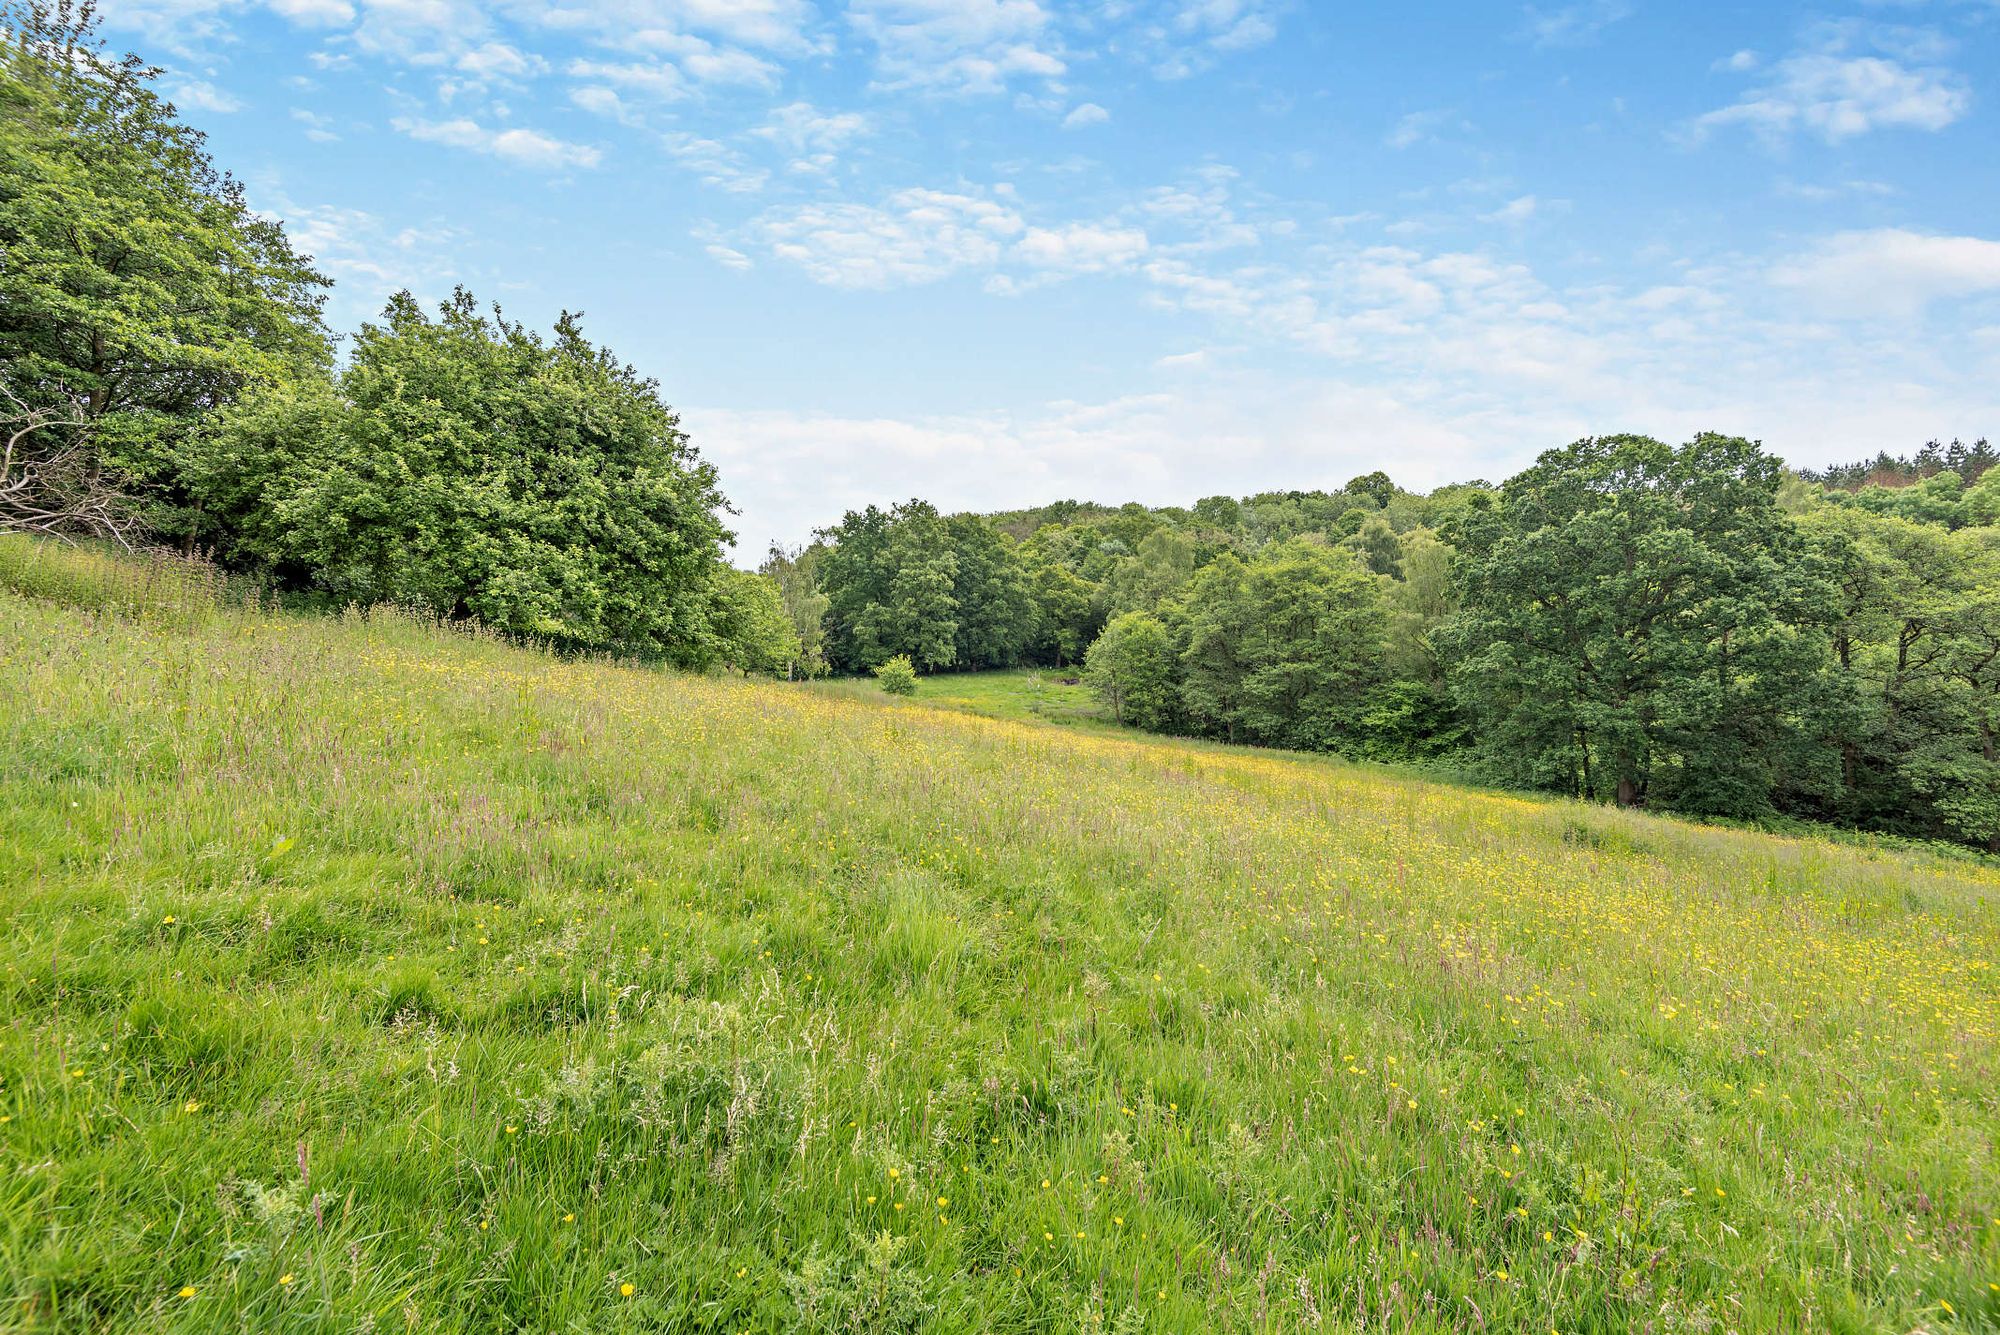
{"x": 1638, "y": 625}
{"x": 464, "y": 464}
{"x": 1211, "y": 624}
{"x": 796, "y": 574}
{"x": 1943, "y": 690}
{"x": 1160, "y": 568}
{"x": 1418, "y": 602}
{"x": 995, "y": 605}
{"x": 888, "y": 578}
{"x": 750, "y": 626}
{"x": 139, "y": 291}
{"x": 1313, "y": 648}
{"x": 1377, "y": 545}
{"x": 897, "y": 675}
{"x": 1132, "y": 667}
{"x": 1375, "y": 486}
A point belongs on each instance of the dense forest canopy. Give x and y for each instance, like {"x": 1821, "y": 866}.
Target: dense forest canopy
{"x": 1689, "y": 627}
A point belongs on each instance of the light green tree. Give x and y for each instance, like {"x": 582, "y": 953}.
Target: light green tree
{"x": 1133, "y": 668}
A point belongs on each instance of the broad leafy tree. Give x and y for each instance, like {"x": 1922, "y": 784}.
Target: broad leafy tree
{"x": 465, "y": 464}
{"x": 995, "y": 610}
{"x": 888, "y": 578}
{"x": 1133, "y": 668}
{"x": 139, "y": 292}
{"x": 796, "y": 575}
{"x": 1638, "y": 625}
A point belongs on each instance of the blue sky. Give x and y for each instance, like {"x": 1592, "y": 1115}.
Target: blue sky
{"x": 995, "y": 252}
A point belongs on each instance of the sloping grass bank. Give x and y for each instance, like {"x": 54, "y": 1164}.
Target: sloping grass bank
{"x": 359, "y": 974}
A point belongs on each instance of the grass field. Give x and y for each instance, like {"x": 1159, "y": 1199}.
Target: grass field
{"x": 359, "y": 975}
{"x": 1022, "y": 695}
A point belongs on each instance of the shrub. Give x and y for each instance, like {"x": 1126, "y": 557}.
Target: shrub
{"x": 897, "y": 676}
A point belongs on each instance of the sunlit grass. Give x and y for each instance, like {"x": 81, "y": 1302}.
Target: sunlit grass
{"x": 361, "y": 974}
{"x": 1044, "y": 695}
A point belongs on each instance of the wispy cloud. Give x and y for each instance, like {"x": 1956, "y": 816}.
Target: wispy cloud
{"x": 527, "y": 148}
{"x": 1572, "y": 25}
{"x": 1835, "y": 93}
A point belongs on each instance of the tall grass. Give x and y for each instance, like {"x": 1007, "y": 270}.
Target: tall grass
{"x": 358, "y": 975}
{"x": 161, "y": 585}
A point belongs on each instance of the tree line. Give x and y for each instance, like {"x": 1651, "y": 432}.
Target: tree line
{"x": 167, "y": 378}
{"x": 1689, "y": 628}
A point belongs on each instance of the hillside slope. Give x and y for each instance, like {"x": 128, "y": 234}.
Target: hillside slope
{"x": 362, "y": 975}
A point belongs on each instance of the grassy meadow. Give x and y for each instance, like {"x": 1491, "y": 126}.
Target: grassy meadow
{"x": 363, "y": 975}
{"x": 1022, "y": 695}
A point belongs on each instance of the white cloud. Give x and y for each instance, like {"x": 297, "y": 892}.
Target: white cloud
{"x": 650, "y": 78}
{"x": 782, "y": 26}
{"x": 1517, "y": 210}
{"x": 714, "y": 162}
{"x": 1834, "y": 94}
{"x": 1890, "y": 271}
{"x": 1087, "y": 113}
{"x": 959, "y": 46}
{"x": 315, "y": 13}
{"x": 199, "y": 95}
{"x": 803, "y": 128}
{"x": 916, "y": 236}
{"x": 368, "y": 258}
{"x": 1197, "y": 31}
{"x": 791, "y": 473}
{"x": 1080, "y": 247}
{"x": 497, "y": 60}
{"x": 319, "y": 128}
{"x": 528, "y": 148}
{"x": 1415, "y": 128}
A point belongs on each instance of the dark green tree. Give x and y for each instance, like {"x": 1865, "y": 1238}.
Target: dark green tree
{"x": 1211, "y": 624}
{"x": 139, "y": 292}
{"x": 888, "y": 578}
{"x": 996, "y": 611}
{"x": 1638, "y": 626}
{"x": 1313, "y": 648}
{"x": 464, "y": 464}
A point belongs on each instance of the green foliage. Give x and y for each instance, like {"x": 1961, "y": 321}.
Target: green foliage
{"x": 750, "y": 626}
{"x": 796, "y": 574}
{"x": 897, "y": 676}
{"x": 1159, "y": 569}
{"x": 1283, "y": 651}
{"x": 888, "y": 579}
{"x": 1638, "y": 625}
{"x": 139, "y": 290}
{"x": 463, "y": 464}
{"x": 993, "y": 601}
{"x": 1133, "y": 668}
